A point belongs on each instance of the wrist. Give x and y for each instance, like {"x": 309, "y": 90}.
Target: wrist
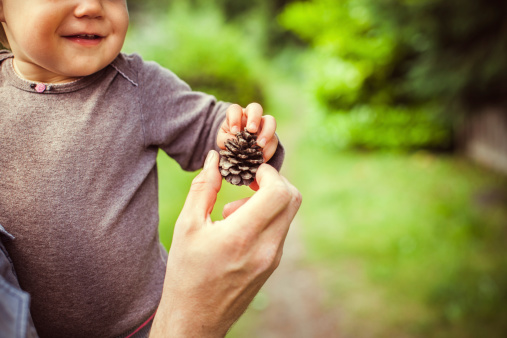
{"x": 175, "y": 321}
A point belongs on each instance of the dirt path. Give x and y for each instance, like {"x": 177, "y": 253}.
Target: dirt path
{"x": 295, "y": 298}
{"x": 293, "y": 295}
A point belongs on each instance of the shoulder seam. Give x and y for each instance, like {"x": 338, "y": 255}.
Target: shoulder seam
{"x": 124, "y": 75}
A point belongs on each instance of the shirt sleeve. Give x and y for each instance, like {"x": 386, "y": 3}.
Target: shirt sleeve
{"x": 182, "y": 122}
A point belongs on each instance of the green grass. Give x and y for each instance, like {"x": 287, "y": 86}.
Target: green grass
{"x": 412, "y": 244}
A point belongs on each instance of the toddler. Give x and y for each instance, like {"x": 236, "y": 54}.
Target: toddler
{"x": 81, "y": 125}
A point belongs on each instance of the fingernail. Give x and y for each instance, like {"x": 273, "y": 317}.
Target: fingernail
{"x": 262, "y": 142}
{"x": 235, "y": 129}
{"x": 252, "y": 127}
{"x": 209, "y": 159}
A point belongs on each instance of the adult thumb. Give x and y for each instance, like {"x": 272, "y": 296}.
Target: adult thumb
{"x": 203, "y": 193}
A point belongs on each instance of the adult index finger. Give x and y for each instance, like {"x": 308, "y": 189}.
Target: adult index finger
{"x": 272, "y": 198}
{"x": 277, "y": 233}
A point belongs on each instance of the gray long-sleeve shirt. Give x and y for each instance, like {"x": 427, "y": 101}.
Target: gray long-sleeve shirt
{"x": 78, "y": 188}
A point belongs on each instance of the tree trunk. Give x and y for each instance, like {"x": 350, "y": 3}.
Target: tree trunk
{"x": 485, "y": 138}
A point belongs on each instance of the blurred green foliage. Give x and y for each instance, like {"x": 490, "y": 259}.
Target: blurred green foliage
{"x": 407, "y": 51}
{"x": 455, "y": 49}
{"x": 199, "y": 47}
{"x": 347, "y": 50}
{"x": 395, "y": 128}
{"x": 402, "y": 58}
{"x": 240, "y": 13}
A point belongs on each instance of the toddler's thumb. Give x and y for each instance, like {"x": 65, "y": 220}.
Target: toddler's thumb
{"x": 203, "y": 192}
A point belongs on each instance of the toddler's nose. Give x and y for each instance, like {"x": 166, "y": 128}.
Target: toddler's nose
{"x": 89, "y": 8}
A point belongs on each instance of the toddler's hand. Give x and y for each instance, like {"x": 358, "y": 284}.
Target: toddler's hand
{"x": 252, "y": 119}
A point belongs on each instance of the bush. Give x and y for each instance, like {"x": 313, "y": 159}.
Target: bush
{"x": 356, "y": 75}
{"x": 458, "y": 48}
{"x": 393, "y": 128}
{"x": 200, "y": 48}
{"x": 426, "y": 56}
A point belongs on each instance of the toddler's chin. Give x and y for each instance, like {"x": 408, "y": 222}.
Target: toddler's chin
{"x": 86, "y": 69}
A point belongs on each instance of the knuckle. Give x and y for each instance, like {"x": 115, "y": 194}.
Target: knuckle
{"x": 241, "y": 241}
{"x": 267, "y": 259}
{"x": 297, "y": 197}
{"x": 282, "y": 193}
{"x": 199, "y": 183}
{"x": 277, "y": 260}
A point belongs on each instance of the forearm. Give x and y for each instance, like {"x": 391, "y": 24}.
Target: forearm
{"x": 204, "y": 300}
{"x": 186, "y": 320}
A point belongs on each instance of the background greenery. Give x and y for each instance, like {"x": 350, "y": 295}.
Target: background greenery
{"x": 404, "y": 234}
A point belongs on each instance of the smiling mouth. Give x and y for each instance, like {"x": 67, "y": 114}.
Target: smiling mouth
{"x": 85, "y": 40}
{"x": 85, "y": 36}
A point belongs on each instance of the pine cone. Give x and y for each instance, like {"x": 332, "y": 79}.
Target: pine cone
{"x": 241, "y": 159}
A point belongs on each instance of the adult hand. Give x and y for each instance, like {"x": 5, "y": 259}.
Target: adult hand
{"x": 215, "y": 269}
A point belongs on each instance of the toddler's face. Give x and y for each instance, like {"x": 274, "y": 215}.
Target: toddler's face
{"x": 58, "y": 40}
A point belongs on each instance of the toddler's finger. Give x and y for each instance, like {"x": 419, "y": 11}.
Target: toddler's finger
{"x": 234, "y": 116}
{"x": 254, "y": 113}
{"x": 268, "y": 128}
{"x": 270, "y": 148}
{"x": 254, "y": 186}
{"x": 223, "y": 136}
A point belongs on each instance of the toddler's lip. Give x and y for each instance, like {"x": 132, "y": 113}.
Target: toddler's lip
{"x": 84, "y": 36}
{"x": 86, "y": 40}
